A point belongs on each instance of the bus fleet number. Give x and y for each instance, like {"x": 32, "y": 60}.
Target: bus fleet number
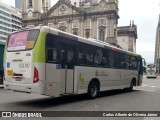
{"x": 24, "y": 65}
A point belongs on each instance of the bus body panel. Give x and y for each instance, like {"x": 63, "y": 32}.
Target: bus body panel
{"x": 139, "y": 82}
{"x": 151, "y": 76}
{"x": 55, "y": 80}
{"x": 109, "y": 78}
{"x": 15, "y": 65}
{"x": 19, "y": 67}
{"x": 52, "y": 80}
{"x": 151, "y": 71}
{"x": 26, "y": 84}
{"x": 29, "y": 88}
{"x": 59, "y": 80}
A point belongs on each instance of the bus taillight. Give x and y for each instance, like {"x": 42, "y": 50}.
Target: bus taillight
{"x": 36, "y": 75}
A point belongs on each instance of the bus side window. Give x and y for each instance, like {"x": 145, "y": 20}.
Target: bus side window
{"x": 111, "y": 60}
{"x": 98, "y": 57}
{"x": 105, "y": 58}
{"x": 51, "y": 49}
{"x": 133, "y": 63}
{"x": 86, "y": 55}
{"x": 51, "y": 54}
{"x": 124, "y": 61}
{"x": 117, "y": 60}
{"x": 70, "y": 58}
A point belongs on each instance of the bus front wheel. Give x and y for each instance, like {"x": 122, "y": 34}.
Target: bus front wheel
{"x": 93, "y": 90}
{"x": 131, "y": 86}
{"x": 129, "y": 89}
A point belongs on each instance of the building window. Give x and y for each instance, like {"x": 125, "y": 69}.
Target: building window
{"x": 102, "y": 28}
{"x": 75, "y": 31}
{"x": 63, "y": 9}
{"x": 87, "y": 34}
{"x": 30, "y": 4}
{"x": 87, "y": 1}
{"x": 102, "y": 34}
{"x": 75, "y": 24}
{"x": 50, "y": 25}
{"x": 62, "y": 28}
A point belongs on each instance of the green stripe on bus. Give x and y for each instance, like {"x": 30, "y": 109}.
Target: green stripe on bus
{"x": 39, "y": 49}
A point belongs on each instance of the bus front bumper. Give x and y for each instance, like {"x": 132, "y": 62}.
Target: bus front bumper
{"x": 27, "y": 88}
{"x": 151, "y": 76}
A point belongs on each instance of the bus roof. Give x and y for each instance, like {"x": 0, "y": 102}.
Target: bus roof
{"x": 91, "y": 41}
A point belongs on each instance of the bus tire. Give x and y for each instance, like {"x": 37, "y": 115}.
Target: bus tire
{"x": 130, "y": 89}
{"x": 93, "y": 90}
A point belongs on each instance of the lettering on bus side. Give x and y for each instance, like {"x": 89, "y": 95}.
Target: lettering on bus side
{"x": 100, "y": 73}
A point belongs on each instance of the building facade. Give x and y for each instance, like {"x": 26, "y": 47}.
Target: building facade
{"x": 96, "y": 19}
{"x": 157, "y": 46}
{"x": 127, "y": 36}
{"x": 10, "y": 20}
{"x": 16, "y": 16}
{"x": 5, "y": 22}
{"x": 18, "y": 4}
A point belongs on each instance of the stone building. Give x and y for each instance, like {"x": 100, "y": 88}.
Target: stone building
{"x": 96, "y": 19}
{"x": 127, "y": 36}
{"x": 157, "y": 46}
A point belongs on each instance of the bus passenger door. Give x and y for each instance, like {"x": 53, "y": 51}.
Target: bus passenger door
{"x": 67, "y": 61}
{"x": 140, "y": 72}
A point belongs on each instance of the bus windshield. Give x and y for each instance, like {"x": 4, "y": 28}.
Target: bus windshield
{"x": 24, "y": 40}
{"x": 151, "y": 66}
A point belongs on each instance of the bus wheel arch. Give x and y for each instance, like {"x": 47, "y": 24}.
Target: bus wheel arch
{"x": 134, "y": 81}
{"x": 93, "y": 88}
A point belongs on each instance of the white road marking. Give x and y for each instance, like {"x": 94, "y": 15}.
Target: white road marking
{"x": 145, "y": 85}
{"x": 146, "y": 90}
{"x": 154, "y": 86}
{"x": 150, "y": 86}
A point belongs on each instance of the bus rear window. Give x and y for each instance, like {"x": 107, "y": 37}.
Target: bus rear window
{"x": 24, "y": 40}
{"x": 151, "y": 66}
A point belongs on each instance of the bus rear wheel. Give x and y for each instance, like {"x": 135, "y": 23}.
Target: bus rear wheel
{"x": 93, "y": 90}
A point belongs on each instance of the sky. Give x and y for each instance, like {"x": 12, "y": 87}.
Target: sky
{"x": 145, "y": 14}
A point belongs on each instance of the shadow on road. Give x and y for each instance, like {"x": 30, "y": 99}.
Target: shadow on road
{"x": 50, "y": 102}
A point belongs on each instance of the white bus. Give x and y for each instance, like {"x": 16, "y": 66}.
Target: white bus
{"x": 151, "y": 71}
{"x": 51, "y": 62}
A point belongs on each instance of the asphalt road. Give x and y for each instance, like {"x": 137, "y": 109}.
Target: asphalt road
{"x": 143, "y": 98}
